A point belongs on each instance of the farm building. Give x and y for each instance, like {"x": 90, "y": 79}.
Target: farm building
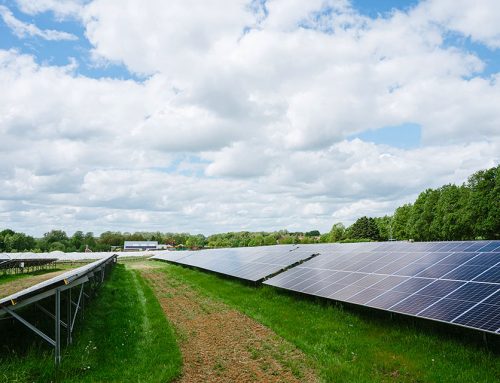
{"x": 140, "y": 245}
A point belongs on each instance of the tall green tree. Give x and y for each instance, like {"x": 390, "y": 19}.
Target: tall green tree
{"x": 18, "y": 242}
{"x": 384, "y": 227}
{"x": 364, "y": 228}
{"x": 400, "y": 223}
{"x": 422, "y": 215}
{"x": 484, "y": 203}
{"x": 337, "y": 232}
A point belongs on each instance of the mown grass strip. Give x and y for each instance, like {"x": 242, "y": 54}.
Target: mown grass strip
{"x": 125, "y": 337}
{"x": 6, "y": 278}
{"x": 348, "y": 346}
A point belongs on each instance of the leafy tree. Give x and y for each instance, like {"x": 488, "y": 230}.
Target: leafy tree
{"x": 287, "y": 240}
{"x": 364, "y": 228}
{"x": 77, "y": 240}
{"x": 448, "y": 222}
{"x": 384, "y": 227}
{"x": 55, "y": 236}
{"x": 484, "y": 203}
{"x": 5, "y": 232}
{"x": 57, "y": 246}
{"x": 112, "y": 238}
{"x": 196, "y": 241}
{"x": 324, "y": 238}
{"x": 18, "y": 242}
{"x": 90, "y": 241}
{"x": 422, "y": 215}
{"x": 401, "y": 222}
{"x": 337, "y": 232}
{"x": 313, "y": 233}
{"x": 269, "y": 240}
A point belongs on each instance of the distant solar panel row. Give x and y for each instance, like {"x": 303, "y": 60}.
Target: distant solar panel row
{"x": 76, "y": 256}
{"x": 25, "y": 263}
{"x": 249, "y": 263}
{"x": 454, "y": 282}
{"x": 61, "y": 279}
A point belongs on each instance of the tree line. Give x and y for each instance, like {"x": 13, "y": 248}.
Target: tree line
{"x": 451, "y": 212}
{"x": 58, "y": 240}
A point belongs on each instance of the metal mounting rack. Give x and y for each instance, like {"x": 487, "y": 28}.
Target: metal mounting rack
{"x": 85, "y": 280}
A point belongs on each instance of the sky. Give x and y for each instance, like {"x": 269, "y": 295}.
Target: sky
{"x": 213, "y": 116}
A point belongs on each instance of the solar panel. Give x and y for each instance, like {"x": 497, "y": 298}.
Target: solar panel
{"x": 75, "y": 256}
{"x": 61, "y": 279}
{"x": 453, "y": 282}
{"x": 19, "y": 262}
{"x": 249, "y": 263}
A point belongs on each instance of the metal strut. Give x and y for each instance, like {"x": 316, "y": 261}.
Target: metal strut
{"x": 94, "y": 280}
{"x": 57, "y": 351}
{"x": 30, "y": 326}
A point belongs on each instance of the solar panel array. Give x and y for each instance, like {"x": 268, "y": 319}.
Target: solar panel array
{"x": 61, "y": 279}
{"x": 18, "y": 262}
{"x": 75, "y": 256}
{"x": 453, "y": 282}
{"x": 249, "y": 263}
{"x": 22, "y": 263}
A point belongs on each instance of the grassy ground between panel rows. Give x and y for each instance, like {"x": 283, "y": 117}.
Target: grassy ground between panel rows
{"x": 349, "y": 346}
{"x": 6, "y": 278}
{"x": 124, "y": 337}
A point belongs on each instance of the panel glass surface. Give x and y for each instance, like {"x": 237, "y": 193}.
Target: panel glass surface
{"x": 249, "y": 263}
{"x": 454, "y": 282}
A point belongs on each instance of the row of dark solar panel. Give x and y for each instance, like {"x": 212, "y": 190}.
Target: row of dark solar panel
{"x": 460, "y": 286}
{"x": 460, "y": 266}
{"x": 426, "y": 297}
{"x": 18, "y": 263}
{"x": 248, "y": 270}
{"x": 461, "y": 246}
{"x": 252, "y": 264}
{"x": 67, "y": 276}
{"x": 448, "y": 281}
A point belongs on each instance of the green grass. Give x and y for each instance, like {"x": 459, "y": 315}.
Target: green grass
{"x": 5, "y": 278}
{"x": 124, "y": 337}
{"x": 345, "y": 345}
{"x": 60, "y": 266}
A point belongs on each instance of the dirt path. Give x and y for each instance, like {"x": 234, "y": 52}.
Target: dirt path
{"x": 219, "y": 344}
{"x": 16, "y": 285}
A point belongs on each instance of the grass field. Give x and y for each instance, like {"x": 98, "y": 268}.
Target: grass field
{"x": 345, "y": 346}
{"x": 5, "y": 278}
{"x": 124, "y": 338}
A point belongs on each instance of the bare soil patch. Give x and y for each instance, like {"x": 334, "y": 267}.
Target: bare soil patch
{"x": 220, "y": 344}
{"x": 14, "y": 286}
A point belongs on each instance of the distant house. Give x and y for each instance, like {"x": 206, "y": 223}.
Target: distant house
{"x": 140, "y": 245}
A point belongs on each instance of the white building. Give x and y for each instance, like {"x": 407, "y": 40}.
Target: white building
{"x": 140, "y": 245}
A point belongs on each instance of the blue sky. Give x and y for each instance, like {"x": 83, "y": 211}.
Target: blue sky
{"x": 381, "y": 7}
{"x": 210, "y": 115}
{"x": 60, "y": 53}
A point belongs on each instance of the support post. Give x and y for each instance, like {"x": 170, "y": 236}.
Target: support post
{"x": 57, "y": 349}
{"x": 77, "y": 308}
{"x": 68, "y": 318}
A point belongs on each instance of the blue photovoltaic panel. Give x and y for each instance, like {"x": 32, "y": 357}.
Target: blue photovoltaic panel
{"x": 454, "y": 282}
{"x": 249, "y": 263}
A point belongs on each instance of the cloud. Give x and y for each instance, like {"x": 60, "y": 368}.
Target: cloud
{"x": 310, "y": 74}
{"x": 61, "y": 8}
{"x": 22, "y": 29}
{"x": 244, "y": 116}
{"x": 479, "y": 20}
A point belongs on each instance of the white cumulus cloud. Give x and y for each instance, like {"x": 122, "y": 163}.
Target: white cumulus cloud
{"x": 246, "y": 117}
{"x": 22, "y": 29}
